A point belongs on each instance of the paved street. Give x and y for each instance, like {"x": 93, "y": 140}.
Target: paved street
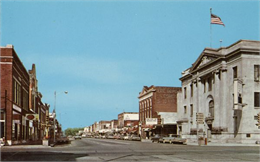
{"x": 89, "y": 149}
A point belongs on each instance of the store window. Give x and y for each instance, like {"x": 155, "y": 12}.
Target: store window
{"x": 257, "y": 99}
{"x": 17, "y": 93}
{"x": 25, "y": 100}
{"x": 185, "y": 92}
{"x": 209, "y": 84}
{"x": 204, "y": 85}
{"x": 2, "y": 122}
{"x": 185, "y": 109}
{"x": 234, "y": 72}
{"x": 211, "y": 108}
{"x": 191, "y": 90}
{"x": 257, "y": 73}
{"x": 191, "y": 110}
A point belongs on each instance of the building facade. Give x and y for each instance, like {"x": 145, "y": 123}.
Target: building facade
{"x": 14, "y": 97}
{"x": 157, "y": 105}
{"x": 128, "y": 123}
{"x": 95, "y": 127}
{"x": 114, "y": 125}
{"x": 220, "y": 97}
{"x": 23, "y": 115}
{"x": 127, "y": 119}
{"x": 104, "y": 126}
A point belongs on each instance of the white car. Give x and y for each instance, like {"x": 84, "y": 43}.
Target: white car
{"x": 2, "y": 142}
{"x": 77, "y": 137}
{"x": 126, "y": 137}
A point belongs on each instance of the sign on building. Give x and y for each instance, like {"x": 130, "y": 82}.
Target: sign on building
{"x": 258, "y": 119}
{"x": 151, "y": 121}
{"x": 32, "y": 116}
{"x": 200, "y": 118}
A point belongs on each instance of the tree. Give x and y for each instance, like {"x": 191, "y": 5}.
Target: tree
{"x": 72, "y": 131}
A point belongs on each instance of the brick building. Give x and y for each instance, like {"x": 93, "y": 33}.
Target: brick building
{"x": 35, "y": 106}
{"x": 14, "y": 97}
{"x": 128, "y": 122}
{"x": 114, "y": 125}
{"x": 23, "y": 114}
{"x": 127, "y": 119}
{"x": 104, "y": 126}
{"x": 155, "y": 102}
{"x": 50, "y": 130}
{"x": 95, "y": 127}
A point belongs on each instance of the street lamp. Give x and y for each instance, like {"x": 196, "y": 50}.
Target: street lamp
{"x": 54, "y": 117}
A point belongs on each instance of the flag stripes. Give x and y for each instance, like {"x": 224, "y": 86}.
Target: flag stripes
{"x": 216, "y": 20}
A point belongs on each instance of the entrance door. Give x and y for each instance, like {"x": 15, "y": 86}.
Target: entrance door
{"x": 209, "y": 131}
{"x": 2, "y": 129}
{"x": 180, "y": 130}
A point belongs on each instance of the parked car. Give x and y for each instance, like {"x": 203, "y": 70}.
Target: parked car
{"x": 122, "y": 137}
{"x": 135, "y": 138}
{"x": 89, "y": 136}
{"x": 2, "y": 141}
{"x": 117, "y": 136}
{"x": 77, "y": 137}
{"x": 173, "y": 138}
{"x": 63, "y": 139}
{"x": 179, "y": 139}
{"x": 126, "y": 137}
{"x": 157, "y": 138}
{"x": 109, "y": 136}
{"x": 168, "y": 139}
{"x": 97, "y": 136}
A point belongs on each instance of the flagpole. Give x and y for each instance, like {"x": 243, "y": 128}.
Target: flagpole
{"x": 210, "y": 28}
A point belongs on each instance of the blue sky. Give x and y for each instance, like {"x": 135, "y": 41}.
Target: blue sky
{"x": 104, "y": 52}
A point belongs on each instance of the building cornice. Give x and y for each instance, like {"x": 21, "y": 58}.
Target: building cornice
{"x": 221, "y": 54}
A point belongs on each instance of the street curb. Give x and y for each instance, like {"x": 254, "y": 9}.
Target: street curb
{"x": 25, "y": 146}
{"x": 225, "y": 144}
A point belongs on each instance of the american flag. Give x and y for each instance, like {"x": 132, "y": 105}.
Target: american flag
{"x": 216, "y": 20}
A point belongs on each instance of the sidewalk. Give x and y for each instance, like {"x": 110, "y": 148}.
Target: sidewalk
{"x": 213, "y": 144}
{"x": 24, "y": 146}
{"x": 225, "y": 144}
{"x": 31, "y": 145}
{"x": 146, "y": 140}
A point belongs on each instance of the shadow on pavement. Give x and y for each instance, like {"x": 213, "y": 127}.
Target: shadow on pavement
{"x": 40, "y": 156}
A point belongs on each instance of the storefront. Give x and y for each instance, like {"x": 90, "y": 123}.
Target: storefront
{"x": 164, "y": 129}
{"x": 2, "y": 124}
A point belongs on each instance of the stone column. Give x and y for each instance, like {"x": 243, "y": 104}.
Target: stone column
{"x": 199, "y": 87}
{"x": 199, "y": 106}
{"x": 195, "y": 100}
{"x": 223, "y": 95}
{"x": 217, "y": 106}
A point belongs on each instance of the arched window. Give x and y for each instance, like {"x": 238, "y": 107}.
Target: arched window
{"x": 211, "y": 108}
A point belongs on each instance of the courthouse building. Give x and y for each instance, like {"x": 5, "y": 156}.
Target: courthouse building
{"x": 220, "y": 97}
